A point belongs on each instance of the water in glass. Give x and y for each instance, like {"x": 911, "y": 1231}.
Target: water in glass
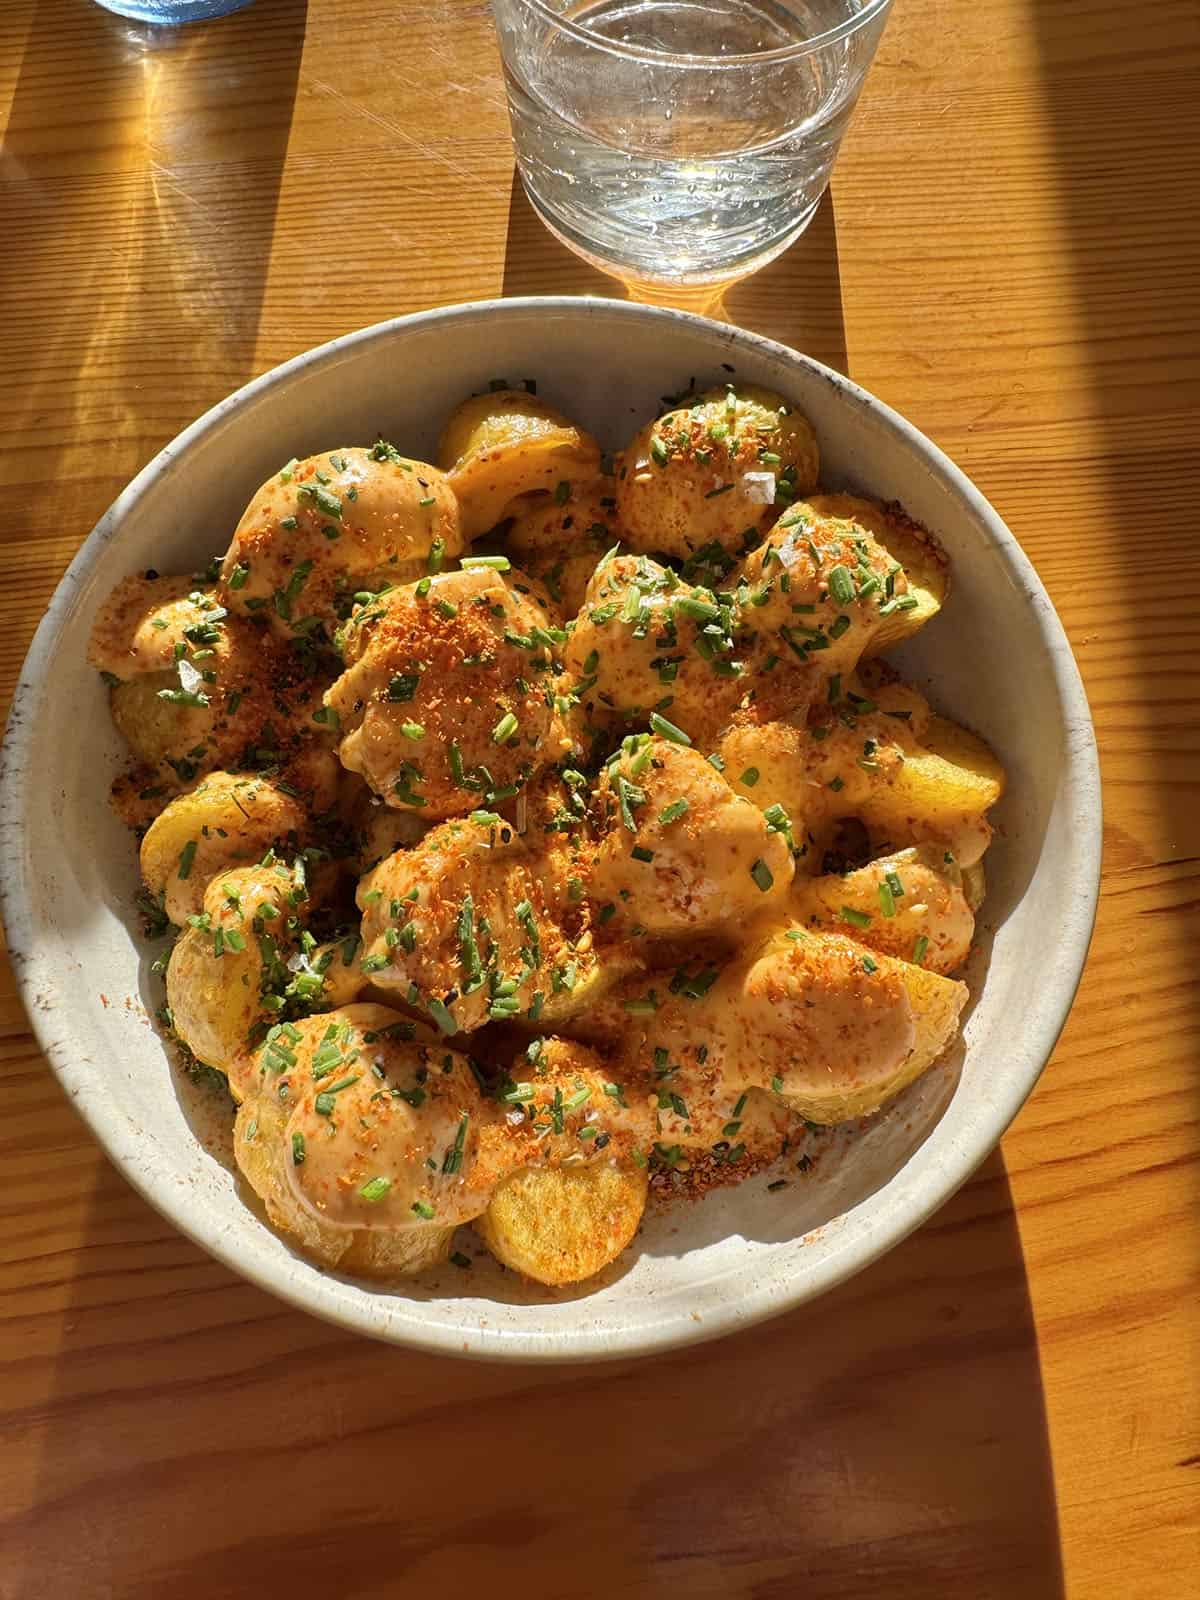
{"x": 668, "y": 169}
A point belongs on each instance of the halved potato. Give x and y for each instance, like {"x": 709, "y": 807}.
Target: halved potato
{"x": 703, "y": 479}
{"x": 924, "y": 561}
{"x": 935, "y": 1004}
{"x": 499, "y": 446}
{"x": 943, "y": 789}
{"x": 563, "y": 1224}
{"x": 219, "y": 972}
{"x": 260, "y": 1148}
{"x": 227, "y": 819}
{"x": 908, "y": 903}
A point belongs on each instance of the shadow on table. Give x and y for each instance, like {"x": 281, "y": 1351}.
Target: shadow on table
{"x": 796, "y": 299}
{"x": 1127, "y": 189}
{"x": 888, "y": 1440}
{"x": 145, "y": 166}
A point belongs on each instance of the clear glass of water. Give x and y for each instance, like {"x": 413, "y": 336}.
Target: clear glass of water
{"x": 681, "y": 142}
{"x": 170, "y": 13}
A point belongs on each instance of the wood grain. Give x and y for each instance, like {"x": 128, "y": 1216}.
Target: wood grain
{"x": 1010, "y": 1403}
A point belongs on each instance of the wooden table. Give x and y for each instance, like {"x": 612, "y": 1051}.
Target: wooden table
{"x": 1008, "y": 1405}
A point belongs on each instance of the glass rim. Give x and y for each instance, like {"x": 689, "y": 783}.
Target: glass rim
{"x": 637, "y": 52}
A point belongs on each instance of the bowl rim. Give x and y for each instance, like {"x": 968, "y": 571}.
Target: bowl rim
{"x": 1081, "y": 784}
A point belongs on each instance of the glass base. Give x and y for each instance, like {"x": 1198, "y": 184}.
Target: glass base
{"x": 170, "y": 13}
{"x": 696, "y": 288}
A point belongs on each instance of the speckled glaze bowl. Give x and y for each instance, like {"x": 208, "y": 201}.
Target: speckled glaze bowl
{"x": 996, "y": 659}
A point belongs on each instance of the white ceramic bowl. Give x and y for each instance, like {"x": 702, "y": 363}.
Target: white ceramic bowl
{"x": 996, "y": 659}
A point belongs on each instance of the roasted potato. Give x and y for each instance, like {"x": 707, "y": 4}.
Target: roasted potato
{"x": 910, "y": 905}
{"x": 926, "y": 569}
{"x": 825, "y": 1024}
{"x": 561, "y": 1225}
{"x": 224, "y": 967}
{"x": 262, "y": 1154}
{"x": 682, "y": 853}
{"x": 869, "y": 765}
{"x": 228, "y": 819}
{"x": 822, "y": 588}
{"x": 379, "y": 1233}
{"x": 500, "y": 446}
{"x": 646, "y": 642}
{"x": 323, "y": 528}
{"x": 941, "y": 791}
{"x": 194, "y": 689}
{"x": 708, "y": 475}
{"x": 461, "y": 923}
{"x": 559, "y": 538}
{"x": 447, "y": 702}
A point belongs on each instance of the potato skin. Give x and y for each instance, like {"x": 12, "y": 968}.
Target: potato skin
{"x": 216, "y": 985}
{"x": 227, "y": 819}
{"x": 709, "y": 474}
{"x": 500, "y": 446}
{"x": 322, "y": 528}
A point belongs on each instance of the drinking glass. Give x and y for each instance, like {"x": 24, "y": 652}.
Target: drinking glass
{"x": 683, "y": 142}
{"x": 171, "y": 13}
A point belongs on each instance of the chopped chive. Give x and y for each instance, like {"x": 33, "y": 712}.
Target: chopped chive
{"x": 919, "y": 950}
{"x": 375, "y": 1188}
{"x": 299, "y": 1151}
{"x": 857, "y": 919}
{"x": 453, "y": 1158}
{"x": 505, "y": 728}
{"x": 749, "y": 777}
{"x": 422, "y": 1208}
{"x": 659, "y": 452}
{"x": 413, "y": 730}
{"x": 640, "y": 853}
{"x": 887, "y": 900}
{"x": 440, "y": 1012}
{"x": 495, "y": 563}
{"x": 892, "y": 879}
{"x": 668, "y": 730}
{"x": 673, "y": 812}
{"x": 186, "y": 856}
